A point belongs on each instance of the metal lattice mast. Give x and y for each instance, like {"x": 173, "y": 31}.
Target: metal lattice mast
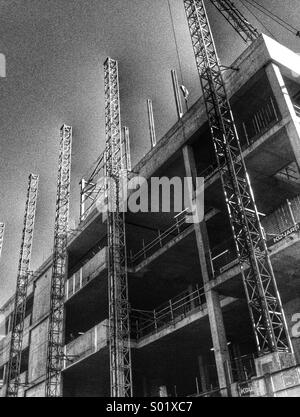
{"x": 263, "y": 298}
{"x": 15, "y": 352}
{"x": 236, "y": 19}
{"x": 56, "y": 318}
{"x": 119, "y": 327}
{"x": 2, "y": 229}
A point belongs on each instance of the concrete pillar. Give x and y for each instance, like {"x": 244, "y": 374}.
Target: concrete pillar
{"x": 212, "y": 298}
{"x": 286, "y": 107}
{"x": 220, "y": 346}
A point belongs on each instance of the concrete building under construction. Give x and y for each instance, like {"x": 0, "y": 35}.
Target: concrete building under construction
{"x": 192, "y": 328}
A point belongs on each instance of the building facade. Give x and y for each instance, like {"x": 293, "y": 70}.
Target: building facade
{"x": 191, "y": 333}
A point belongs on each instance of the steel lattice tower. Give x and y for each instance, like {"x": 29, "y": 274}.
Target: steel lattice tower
{"x": 15, "y": 352}
{"x": 59, "y": 268}
{"x": 2, "y": 229}
{"x": 116, "y": 171}
{"x": 262, "y": 295}
{"x": 236, "y": 19}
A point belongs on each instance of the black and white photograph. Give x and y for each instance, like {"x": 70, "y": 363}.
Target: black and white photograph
{"x": 150, "y": 201}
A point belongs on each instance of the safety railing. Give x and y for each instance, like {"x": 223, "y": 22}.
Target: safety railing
{"x": 144, "y": 322}
{"x": 243, "y": 367}
{"x": 163, "y": 237}
{"x": 282, "y": 219}
{"x": 223, "y": 256}
{"x": 260, "y": 121}
{"x": 277, "y": 225}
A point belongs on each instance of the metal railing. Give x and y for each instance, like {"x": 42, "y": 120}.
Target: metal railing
{"x": 147, "y": 322}
{"x": 282, "y": 221}
{"x": 163, "y": 237}
{"x": 243, "y": 368}
{"x": 223, "y": 256}
{"x": 260, "y": 121}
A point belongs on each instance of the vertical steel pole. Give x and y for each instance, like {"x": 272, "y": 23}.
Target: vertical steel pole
{"x": 151, "y": 123}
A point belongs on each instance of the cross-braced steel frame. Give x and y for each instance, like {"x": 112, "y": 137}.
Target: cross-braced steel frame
{"x": 2, "y": 229}
{"x": 116, "y": 171}
{"x": 59, "y": 268}
{"x": 92, "y": 186}
{"x": 262, "y": 295}
{"x": 15, "y": 352}
{"x": 236, "y": 19}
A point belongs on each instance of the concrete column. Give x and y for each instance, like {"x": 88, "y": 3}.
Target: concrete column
{"x": 212, "y": 298}
{"x": 286, "y": 107}
{"x": 200, "y": 228}
{"x": 218, "y": 334}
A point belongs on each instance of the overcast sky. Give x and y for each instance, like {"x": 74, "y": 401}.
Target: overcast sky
{"x": 55, "y": 51}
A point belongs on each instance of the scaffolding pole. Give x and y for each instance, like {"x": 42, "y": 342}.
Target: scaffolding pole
{"x": 116, "y": 171}
{"x": 127, "y": 147}
{"x": 151, "y": 123}
{"x": 15, "y": 352}
{"x": 236, "y": 19}
{"x": 53, "y": 386}
{"x": 265, "y": 307}
{"x": 177, "y": 94}
{"x": 2, "y": 230}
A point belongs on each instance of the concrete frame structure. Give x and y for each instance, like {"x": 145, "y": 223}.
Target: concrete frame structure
{"x": 191, "y": 333}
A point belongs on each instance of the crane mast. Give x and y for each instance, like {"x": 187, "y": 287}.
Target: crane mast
{"x": 266, "y": 313}
{"x": 15, "y": 352}
{"x": 2, "y": 229}
{"x": 116, "y": 172}
{"x": 236, "y": 19}
{"x": 59, "y": 268}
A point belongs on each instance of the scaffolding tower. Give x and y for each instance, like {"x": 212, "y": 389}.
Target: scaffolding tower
{"x": 236, "y": 19}
{"x": 56, "y": 318}
{"x": 2, "y": 229}
{"x": 116, "y": 173}
{"x": 15, "y": 352}
{"x": 265, "y": 307}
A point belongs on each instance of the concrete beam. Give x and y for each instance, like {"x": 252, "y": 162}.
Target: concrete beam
{"x": 194, "y": 317}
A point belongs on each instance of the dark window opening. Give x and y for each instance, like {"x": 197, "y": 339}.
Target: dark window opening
{"x": 24, "y": 360}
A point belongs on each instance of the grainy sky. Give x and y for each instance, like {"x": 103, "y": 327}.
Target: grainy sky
{"x": 55, "y": 51}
